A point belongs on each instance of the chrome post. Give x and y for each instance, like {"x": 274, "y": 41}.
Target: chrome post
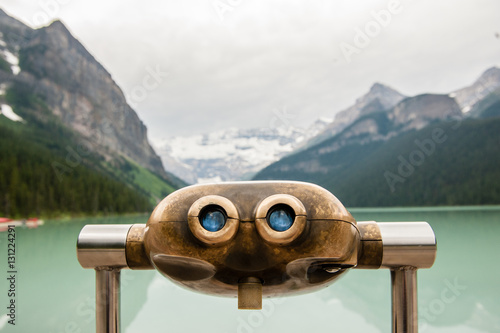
{"x": 404, "y": 300}
{"x": 103, "y": 248}
{"x": 107, "y": 300}
{"x": 407, "y": 246}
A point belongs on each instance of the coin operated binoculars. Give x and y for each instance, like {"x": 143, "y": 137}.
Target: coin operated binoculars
{"x": 256, "y": 239}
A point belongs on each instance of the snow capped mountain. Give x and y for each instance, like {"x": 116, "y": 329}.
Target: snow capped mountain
{"x": 236, "y": 154}
{"x": 231, "y": 154}
{"x": 379, "y": 98}
{"x": 484, "y": 85}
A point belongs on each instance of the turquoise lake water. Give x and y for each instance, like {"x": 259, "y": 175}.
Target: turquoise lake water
{"x": 460, "y": 293}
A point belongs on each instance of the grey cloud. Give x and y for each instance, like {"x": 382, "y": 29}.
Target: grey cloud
{"x": 276, "y": 54}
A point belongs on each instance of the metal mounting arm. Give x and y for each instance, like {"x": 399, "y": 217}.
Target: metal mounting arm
{"x": 103, "y": 248}
{"x": 401, "y": 247}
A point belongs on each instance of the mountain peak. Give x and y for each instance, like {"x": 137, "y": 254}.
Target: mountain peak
{"x": 380, "y": 88}
{"x": 57, "y": 27}
{"x": 488, "y": 82}
{"x": 57, "y": 37}
{"x": 82, "y": 93}
{"x": 492, "y": 69}
{"x": 387, "y": 96}
{"x": 57, "y": 24}
{"x": 377, "y": 86}
{"x": 379, "y": 98}
{"x": 492, "y": 73}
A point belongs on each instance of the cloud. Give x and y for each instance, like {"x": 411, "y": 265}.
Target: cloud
{"x": 234, "y": 69}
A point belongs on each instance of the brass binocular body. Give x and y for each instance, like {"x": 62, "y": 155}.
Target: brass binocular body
{"x": 257, "y": 239}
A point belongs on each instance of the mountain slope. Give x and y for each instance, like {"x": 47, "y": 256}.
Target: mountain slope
{"x": 412, "y": 113}
{"x": 77, "y": 89}
{"x": 425, "y": 150}
{"x": 231, "y": 154}
{"x": 488, "y": 107}
{"x": 236, "y": 154}
{"x": 81, "y": 120}
{"x": 421, "y": 152}
{"x": 38, "y": 176}
{"x": 488, "y": 82}
{"x": 379, "y": 98}
{"x": 83, "y": 94}
{"x": 446, "y": 163}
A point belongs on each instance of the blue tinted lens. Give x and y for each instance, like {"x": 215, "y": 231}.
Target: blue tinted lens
{"x": 213, "y": 220}
{"x": 280, "y": 219}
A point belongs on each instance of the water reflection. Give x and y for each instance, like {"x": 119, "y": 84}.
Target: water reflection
{"x": 55, "y": 294}
{"x": 179, "y": 310}
{"x": 459, "y": 294}
{"x": 460, "y": 291}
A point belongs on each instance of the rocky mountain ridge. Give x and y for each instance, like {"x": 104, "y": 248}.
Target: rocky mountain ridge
{"x": 70, "y": 142}
{"x": 468, "y": 96}
{"x": 423, "y": 151}
{"x": 406, "y": 113}
{"x": 411, "y": 114}
{"x": 78, "y": 89}
{"x": 380, "y": 114}
{"x": 380, "y": 97}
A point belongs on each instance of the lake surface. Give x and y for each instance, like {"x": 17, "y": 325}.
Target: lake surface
{"x": 460, "y": 293}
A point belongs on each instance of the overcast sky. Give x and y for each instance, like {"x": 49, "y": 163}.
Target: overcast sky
{"x": 241, "y": 63}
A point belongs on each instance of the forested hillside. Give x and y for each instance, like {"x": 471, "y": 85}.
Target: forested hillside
{"x": 48, "y": 170}
{"x": 70, "y": 143}
{"x": 446, "y": 163}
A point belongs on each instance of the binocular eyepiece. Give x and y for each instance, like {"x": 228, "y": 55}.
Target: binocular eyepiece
{"x": 255, "y": 239}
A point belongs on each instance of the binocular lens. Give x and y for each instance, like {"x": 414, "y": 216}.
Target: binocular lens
{"x": 213, "y": 219}
{"x": 280, "y": 218}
